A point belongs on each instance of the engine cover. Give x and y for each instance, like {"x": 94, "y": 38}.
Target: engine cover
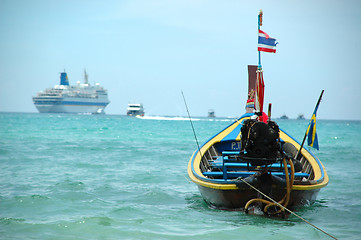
{"x": 260, "y": 140}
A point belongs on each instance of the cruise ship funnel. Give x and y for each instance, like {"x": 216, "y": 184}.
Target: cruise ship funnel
{"x": 64, "y": 79}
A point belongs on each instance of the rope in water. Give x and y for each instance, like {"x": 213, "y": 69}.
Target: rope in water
{"x": 285, "y": 208}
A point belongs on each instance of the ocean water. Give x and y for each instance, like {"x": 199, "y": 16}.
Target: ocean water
{"x": 116, "y": 177}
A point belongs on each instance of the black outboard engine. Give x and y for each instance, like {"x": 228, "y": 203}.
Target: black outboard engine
{"x": 260, "y": 142}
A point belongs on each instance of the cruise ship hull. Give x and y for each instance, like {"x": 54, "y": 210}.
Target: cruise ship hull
{"x": 73, "y": 106}
{"x": 69, "y": 109}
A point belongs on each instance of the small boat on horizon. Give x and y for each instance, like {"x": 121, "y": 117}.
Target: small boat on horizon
{"x": 211, "y": 113}
{"x": 301, "y": 117}
{"x": 135, "y": 109}
{"x": 284, "y": 116}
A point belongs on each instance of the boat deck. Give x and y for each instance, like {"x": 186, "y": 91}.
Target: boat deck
{"x": 227, "y": 165}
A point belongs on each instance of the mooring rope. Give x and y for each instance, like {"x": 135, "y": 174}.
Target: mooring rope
{"x": 282, "y": 207}
{"x": 285, "y": 199}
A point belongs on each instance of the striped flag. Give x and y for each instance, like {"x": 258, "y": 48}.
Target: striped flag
{"x": 266, "y": 43}
{"x": 312, "y": 140}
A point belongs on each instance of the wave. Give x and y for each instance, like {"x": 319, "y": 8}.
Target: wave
{"x": 167, "y": 118}
{"x": 184, "y": 119}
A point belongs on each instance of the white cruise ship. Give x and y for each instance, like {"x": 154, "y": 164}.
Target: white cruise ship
{"x": 135, "y": 109}
{"x": 65, "y": 98}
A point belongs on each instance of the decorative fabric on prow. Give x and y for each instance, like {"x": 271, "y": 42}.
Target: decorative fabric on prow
{"x": 259, "y": 92}
{"x": 250, "y": 102}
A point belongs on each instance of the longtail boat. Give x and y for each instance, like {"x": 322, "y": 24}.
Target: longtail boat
{"x": 252, "y": 163}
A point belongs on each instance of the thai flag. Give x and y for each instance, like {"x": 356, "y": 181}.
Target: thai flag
{"x": 266, "y": 43}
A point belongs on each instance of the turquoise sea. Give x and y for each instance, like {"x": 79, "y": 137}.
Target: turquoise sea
{"x": 116, "y": 177}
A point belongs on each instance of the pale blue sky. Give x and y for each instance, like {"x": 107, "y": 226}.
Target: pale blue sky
{"x": 148, "y": 51}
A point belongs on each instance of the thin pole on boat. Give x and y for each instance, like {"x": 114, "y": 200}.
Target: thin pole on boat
{"x": 190, "y": 120}
{"x": 260, "y": 18}
{"x": 259, "y": 99}
{"x": 304, "y": 138}
{"x": 291, "y": 212}
{"x": 269, "y": 111}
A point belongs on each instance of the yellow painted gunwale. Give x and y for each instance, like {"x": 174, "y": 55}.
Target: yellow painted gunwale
{"x": 199, "y": 180}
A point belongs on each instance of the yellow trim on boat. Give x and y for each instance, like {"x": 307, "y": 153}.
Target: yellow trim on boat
{"x": 197, "y": 160}
{"x": 206, "y": 146}
{"x": 315, "y": 166}
{"x": 224, "y": 133}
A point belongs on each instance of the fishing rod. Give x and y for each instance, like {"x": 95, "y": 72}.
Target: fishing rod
{"x": 190, "y": 120}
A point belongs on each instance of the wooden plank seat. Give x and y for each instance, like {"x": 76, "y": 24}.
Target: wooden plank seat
{"x": 233, "y": 167}
{"x": 247, "y": 174}
{"x": 244, "y": 165}
{"x": 228, "y": 153}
